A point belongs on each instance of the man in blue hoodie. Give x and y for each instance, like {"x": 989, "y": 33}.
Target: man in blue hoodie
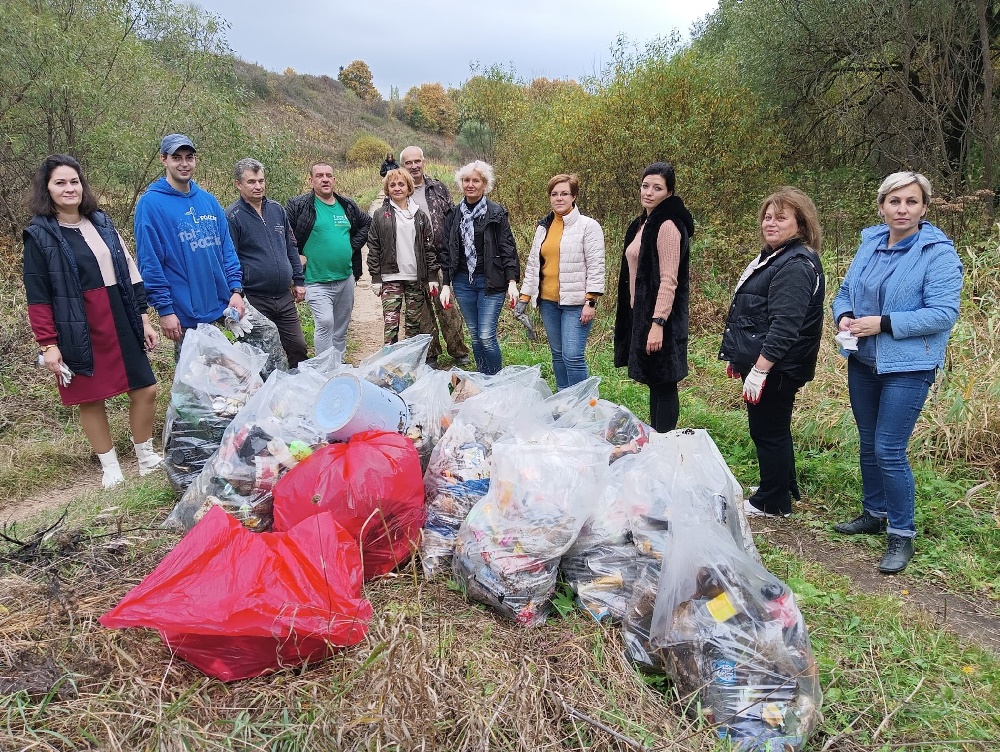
{"x": 272, "y": 270}
{"x": 186, "y": 255}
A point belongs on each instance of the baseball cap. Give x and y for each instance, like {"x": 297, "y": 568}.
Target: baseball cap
{"x": 175, "y": 141}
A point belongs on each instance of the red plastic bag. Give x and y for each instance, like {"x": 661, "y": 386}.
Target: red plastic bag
{"x": 238, "y": 604}
{"x": 374, "y": 488}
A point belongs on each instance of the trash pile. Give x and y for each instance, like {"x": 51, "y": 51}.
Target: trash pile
{"x": 213, "y": 380}
{"x": 262, "y": 333}
{"x": 492, "y": 479}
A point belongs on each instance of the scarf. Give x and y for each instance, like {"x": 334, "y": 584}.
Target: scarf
{"x": 469, "y": 216}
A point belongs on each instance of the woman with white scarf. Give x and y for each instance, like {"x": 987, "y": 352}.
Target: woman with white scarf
{"x": 401, "y": 258}
{"x": 479, "y": 259}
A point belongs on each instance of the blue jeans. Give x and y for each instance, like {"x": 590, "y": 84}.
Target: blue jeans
{"x": 886, "y": 407}
{"x": 567, "y": 341}
{"x": 481, "y": 313}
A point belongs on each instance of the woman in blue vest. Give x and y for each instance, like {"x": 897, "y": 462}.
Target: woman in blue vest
{"x": 894, "y": 313}
{"x": 772, "y": 339}
{"x": 87, "y": 309}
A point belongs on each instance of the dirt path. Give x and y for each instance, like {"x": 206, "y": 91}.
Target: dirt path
{"x": 975, "y": 620}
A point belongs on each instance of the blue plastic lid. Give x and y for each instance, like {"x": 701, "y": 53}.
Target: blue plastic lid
{"x": 338, "y": 402}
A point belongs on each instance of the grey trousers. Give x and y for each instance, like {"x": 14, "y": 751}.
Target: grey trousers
{"x": 331, "y": 304}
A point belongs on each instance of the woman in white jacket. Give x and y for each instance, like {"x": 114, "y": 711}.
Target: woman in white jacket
{"x": 564, "y": 277}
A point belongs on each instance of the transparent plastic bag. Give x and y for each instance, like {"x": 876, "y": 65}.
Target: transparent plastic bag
{"x": 272, "y": 433}
{"x": 213, "y": 380}
{"x": 614, "y": 423}
{"x": 430, "y": 403}
{"x": 398, "y": 366}
{"x": 508, "y": 549}
{"x": 458, "y": 472}
{"x": 466, "y": 384}
{"x": 573, "y": 398}
{"x": 734, "y": 641}
{"x": 265, "y": 337}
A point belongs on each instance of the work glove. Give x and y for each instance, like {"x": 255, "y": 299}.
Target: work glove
{"x": 730, "y": 373}
{"x": 753, "y": 387}
{"x": 445, "y": 296}
{"x": 377, "y": 289}
{"x": 65, "y": 375}
{"x": 239, "y": 327}
{"x": 520, "y": 308}
{"x": 512, "y": 292}
{"x": 847, "y": 340}
{"x": 432, "y": 288}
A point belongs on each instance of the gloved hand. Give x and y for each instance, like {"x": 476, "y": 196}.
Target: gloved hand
{"x": 520, "y": 308}
{"x": 65, "y": 375}
{"x": 512, "y": 292}
{"x": 730, "y": 373}
{"x": 432, "y": 288}
{"x": 753, "y": 387}
{"x": 445, "y": 296}
{"x": 240, "y": 327}
{"x": 377, "y": 289}
{"x": 521, "y": 314}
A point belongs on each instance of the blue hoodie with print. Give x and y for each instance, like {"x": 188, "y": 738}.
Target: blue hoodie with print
{"x": 186, "y": 255}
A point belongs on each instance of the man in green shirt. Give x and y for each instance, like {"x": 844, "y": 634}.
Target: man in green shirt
{"x": 329, "y": 230}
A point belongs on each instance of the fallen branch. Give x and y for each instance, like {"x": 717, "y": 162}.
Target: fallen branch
{"x": 900, "y": 706}
{"x": 597, "y": 724}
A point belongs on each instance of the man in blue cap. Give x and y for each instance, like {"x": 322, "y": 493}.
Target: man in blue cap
{"x": 186, "y": 256}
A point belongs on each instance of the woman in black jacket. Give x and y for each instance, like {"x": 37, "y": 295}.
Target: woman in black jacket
{"x": 772, "y": 339}
{"x": 651, "y": 321}
{"x": 87, "y": 309}
{"x": 480, "y": 260}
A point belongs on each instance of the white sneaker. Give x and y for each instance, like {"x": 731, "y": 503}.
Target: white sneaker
{"x": 751, "y": 511}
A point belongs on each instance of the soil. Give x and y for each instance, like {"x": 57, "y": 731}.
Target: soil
{"x": 977, "y": 621}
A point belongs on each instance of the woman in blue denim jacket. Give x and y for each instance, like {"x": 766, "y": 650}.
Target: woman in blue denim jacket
{"x": 894, "y": 313}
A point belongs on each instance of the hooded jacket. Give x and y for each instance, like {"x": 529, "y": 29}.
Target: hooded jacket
{"x": 632, "y": 324}
{"x": 921, "y": 300}
{"x": 265, "y": 247}
{"x": 185, "y": 252}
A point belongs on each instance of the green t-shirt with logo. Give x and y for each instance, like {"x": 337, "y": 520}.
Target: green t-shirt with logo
{"x": 328, "y": 249}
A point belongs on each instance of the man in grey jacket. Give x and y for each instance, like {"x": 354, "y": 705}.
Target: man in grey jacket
{"x": 272, "y": 270}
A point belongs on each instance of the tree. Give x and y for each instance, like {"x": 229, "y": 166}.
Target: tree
{"x": 906, "y": 84}
{"x": 495, "y": 100}
{"x": 357, "y": 77}
{"x": 429, "y": 107}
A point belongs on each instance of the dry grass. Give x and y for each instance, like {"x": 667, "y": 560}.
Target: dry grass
{"x": 433, "y": 673}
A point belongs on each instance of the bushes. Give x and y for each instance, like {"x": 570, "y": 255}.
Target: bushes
{"x": 367, "y": 150}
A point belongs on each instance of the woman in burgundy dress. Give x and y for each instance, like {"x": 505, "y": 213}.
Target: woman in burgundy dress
{"x": 87, "y": 309}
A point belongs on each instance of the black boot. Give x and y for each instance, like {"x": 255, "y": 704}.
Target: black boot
{"x": 865, "y": 523}
{"x": 898, "y": 553}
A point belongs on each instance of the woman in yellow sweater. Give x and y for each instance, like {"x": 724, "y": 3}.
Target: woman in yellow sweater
{"x": 564, "y": 277}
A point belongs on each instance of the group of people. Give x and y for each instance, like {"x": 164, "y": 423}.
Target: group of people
{"x": 894, "y": 311}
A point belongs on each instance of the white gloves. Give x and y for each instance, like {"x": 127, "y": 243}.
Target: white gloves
{"x": 377, "y": 289}
{"x": 847, "y": 340}
{"x": 512, "y": 292}
{"x": 432, "y": 288}
{"x": 445, "y": 296}
{"x": 754, "y": 385}
{"x": 65, "y": 375}
{"x": 239, "y": 327}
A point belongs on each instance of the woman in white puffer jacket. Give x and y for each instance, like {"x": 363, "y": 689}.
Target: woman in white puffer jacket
{"x": 564, "y": 277}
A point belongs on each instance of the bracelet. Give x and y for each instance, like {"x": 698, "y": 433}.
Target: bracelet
{"x": 756, "y": 370}
{"x": 46, "y": 348}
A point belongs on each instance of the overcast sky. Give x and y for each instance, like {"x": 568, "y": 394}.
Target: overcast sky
{"x": 540, "y": 37}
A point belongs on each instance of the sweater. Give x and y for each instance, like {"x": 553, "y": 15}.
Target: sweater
{"x": 185, "y": 253}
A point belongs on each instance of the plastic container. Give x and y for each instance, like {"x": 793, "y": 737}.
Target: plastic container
{"x": 348, "y": 405}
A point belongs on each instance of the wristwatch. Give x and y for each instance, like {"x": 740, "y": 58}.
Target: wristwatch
{"x": 235, "y": 290}
{"x": 661, "y": 322}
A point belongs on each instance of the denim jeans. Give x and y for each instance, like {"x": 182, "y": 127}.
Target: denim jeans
{"x": 331, "y": 304}
{"x": 481, "y": 313}
{"x": 886, "y": 407}
{"x": 567, "y": 341}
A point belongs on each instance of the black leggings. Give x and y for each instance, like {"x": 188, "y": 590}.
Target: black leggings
{"x": 664, "y": 407}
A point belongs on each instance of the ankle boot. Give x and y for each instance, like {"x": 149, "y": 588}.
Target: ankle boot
{"x": 898, "y": 552}
{"x": 149, "y": 459}
{"x": 112, "y": 470}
